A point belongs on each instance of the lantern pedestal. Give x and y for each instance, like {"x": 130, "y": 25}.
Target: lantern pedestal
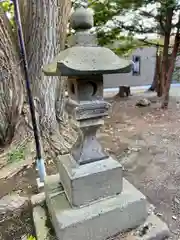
{"x": 98, "y": 220}
{"x": 90, "y": 182}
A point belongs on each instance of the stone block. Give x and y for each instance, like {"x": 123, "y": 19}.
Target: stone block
{"x": 152, "y": 229}
{"x": 90, "y": 182}
{"x": 40, "y": 218}
{"x": 38, "y": 199}
{"x": 54, "y": 186}
{"x": 99, "y": 220}
{"x": 156, "y": 229}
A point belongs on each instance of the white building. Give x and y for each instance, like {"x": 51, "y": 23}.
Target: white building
{"x": 147, "y": 60}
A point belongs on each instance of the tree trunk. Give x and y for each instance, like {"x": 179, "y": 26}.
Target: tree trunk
{"x": 153, "y": 86}
{"x": 41, "y": 46}
{"x": 45, "y": 34}
{"x": 158, "y": 75}
{"x": 64, "y": 8}
{"x": 45, "y": 26}
{"x": 164, "y": 64}
{"x": 171, "y": 69}
{"x": 11, "y": 88}
{"x": 165, "y": 55}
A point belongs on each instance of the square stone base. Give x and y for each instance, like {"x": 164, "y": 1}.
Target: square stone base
{"x": 93, "y": 181}
{"x": 157, "y": 229}
{"x": 99, "y": 220}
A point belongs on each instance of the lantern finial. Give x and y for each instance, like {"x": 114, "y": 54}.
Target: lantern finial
{"x": 82, "y": 19}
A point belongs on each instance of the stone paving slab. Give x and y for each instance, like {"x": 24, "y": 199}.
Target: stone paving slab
{"x": 40, "y": 218}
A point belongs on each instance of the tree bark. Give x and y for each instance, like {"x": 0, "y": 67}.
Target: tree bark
{"x": 64, "y": 8}
{"x": 45, "y": 27}
{"x": 158, "y": 75}
{"x": 153, "y": 86}
{"x": 171, "y": 69}
{"x": 165, "y": 55}
{"x": 11, "y": 88}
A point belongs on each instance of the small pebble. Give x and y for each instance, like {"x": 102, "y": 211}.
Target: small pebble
{"x": 151, "y": 209}
{"x": 174, "y": 217}
{"x": 176, "y": 200}
{"x": 159, "y": 214}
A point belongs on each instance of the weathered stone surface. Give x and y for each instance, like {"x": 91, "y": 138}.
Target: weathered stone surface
{"x": 82, "y": 18}
{"x": 73, "y": 62}
{"x": 82, "y": 39}
{"x": 40, "y": 218}
{"x": 152, "y": 229}
{"x": 90, "y": 182}
{"x": 157, "y": 229}
{"x": 52, "y": 188}
{"x": 90, "y": 110}
{"x": 12, "y": 203}
{"x": 84, "y": 90}
{"x": 98, "y": 220}
{"x": 87, "y": 148}
{"x": 38, "y": 199}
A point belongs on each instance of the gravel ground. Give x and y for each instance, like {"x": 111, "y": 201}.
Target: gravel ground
{"x": 146, "y": 141}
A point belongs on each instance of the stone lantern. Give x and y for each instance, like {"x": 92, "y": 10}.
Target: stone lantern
{"x": 96, "y": 202}
{"x": 85, "y": 63}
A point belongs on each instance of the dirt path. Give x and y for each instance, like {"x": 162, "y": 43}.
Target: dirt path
{"x": 146, "y": 141}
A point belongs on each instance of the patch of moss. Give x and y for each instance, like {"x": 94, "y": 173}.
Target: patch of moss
{"x": 16, "y": 155}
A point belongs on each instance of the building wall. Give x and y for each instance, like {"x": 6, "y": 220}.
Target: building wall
{"x": 176, "y": 74}
{"x": 148, "y": 59}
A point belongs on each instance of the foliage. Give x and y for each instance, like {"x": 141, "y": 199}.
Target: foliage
{"x": 110, "y": 29}
{"x": 31, "y": 238}
{"x": 166, "y": 17}
{"x": 8, "y": 8}
{"x": 107, "y": 27}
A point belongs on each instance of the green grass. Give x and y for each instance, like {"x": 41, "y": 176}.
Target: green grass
{"x": 16, "y": 155}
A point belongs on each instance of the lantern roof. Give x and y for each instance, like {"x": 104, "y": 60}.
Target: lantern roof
{"x": 84, "y": 57}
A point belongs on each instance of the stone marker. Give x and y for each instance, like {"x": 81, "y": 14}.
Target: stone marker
{"x": 95, "y": 202}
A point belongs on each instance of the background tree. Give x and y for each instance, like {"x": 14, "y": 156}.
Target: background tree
{"x": 11, "y": 88}
{"x": 165, "y": 15}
